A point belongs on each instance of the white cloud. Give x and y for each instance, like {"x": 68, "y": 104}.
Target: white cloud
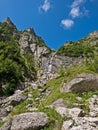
{"x": 46, "y": 6}
{"x": 67, "y": 23}
{"x": 75, "y": 12}
{"x": 77, "y": 3}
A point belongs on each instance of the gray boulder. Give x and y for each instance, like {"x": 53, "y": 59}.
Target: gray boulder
{"x": 13, "y": 100}
{"x": 16, "y": 98}
{"x": 76, "y": 112}
{"x": 67, "y": 125}
{"x": 58, "y": 103}
{"x": 64, "y": 112}
{"x": 29, "y": 121}
{"x": 73, "y": 112}
{"x": 81, "y": 83}
{"x": 3, "y": 112}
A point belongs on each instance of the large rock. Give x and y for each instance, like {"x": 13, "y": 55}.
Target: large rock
{"x": 29, "y": 121}
{"x": 58, "y": 103}
{"x": 76, "y": 112}
{"x": 3, "y": 112}
{"x": 64, "y": 112}
{"x": 73, "y": 112}
{"x": 15, "y": 99}
{"x": 81, "y": 83}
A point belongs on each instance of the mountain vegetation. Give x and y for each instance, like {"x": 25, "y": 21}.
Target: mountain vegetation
{"x": 58, "y": 88}
{"x": 13, "y": 65}
{"x": 75, "y": 49}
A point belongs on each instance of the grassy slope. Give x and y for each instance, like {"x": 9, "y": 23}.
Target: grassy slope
{"x": 54, "y": 86}
{"x": 90, "y": 65}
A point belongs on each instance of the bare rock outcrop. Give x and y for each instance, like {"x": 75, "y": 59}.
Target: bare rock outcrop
{"x": 13, "y": 100}
{"x": 85, "y": 123}
{"x": 67, "y": 124}
{"x": 81, "y": 83}
{"x": 93, "y": 34}
{"x": 29, "y": 121}
{"x": 73, "y": 112}
{"x": 93, "y": 105}
{"x": 33, "y": 44}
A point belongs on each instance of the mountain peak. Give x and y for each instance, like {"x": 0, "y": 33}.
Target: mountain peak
{"x": 93, "y": 34}
{"x": 31, "y": 31}
{"x": 9, "y": 22}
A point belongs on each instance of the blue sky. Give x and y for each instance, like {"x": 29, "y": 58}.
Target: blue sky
{"x": 56, "y": 21}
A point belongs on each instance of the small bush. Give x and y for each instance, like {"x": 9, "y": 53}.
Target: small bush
{"x": 55, "y": 120}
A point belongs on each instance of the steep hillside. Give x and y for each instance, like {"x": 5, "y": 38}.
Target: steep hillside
{"x": 84, "y": 47}
{"x": 41, "y": 89}
{"x": 21, "y": 53}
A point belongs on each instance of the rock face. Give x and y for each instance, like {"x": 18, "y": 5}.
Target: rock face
{"x": 82, "y": 83}
{"x": 55, "y": 62}
{"x": 47, "y": 60}
{"x": 31, "y": 43}
{"x": 29, "y": 121}
{"x": 44, "y": 58}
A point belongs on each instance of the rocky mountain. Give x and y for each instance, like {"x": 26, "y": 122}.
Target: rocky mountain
{"x": 43, "y": 89}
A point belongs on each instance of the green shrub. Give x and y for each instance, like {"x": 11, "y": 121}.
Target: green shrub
{"x": 76, "y": 50}
{"x": 21, "y": 108}
{"x": 1, "y": 124}
{"x": 14, "y": 67}
{"x": 55, "y": 120}
{"x": 11, "y": 67}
